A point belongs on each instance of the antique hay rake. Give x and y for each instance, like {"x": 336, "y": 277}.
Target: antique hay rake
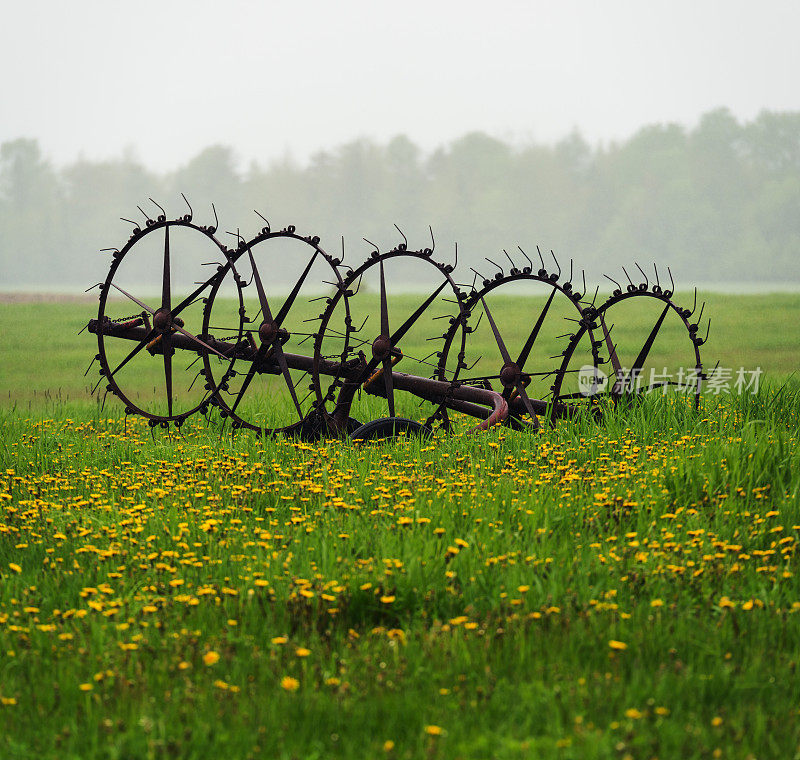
{"x": 301, "y": 363}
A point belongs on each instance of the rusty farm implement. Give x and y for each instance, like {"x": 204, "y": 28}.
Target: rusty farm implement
{"x": 279, "y": 336}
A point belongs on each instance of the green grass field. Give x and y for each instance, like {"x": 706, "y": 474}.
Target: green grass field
{"x": 598, "y": 590}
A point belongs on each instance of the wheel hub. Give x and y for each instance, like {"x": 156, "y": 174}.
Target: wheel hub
{"x": 381, "y": 347}
{"x": 162, "y": 319}
{"x": 510, "y": 375}
{"x": 267, "y": 332}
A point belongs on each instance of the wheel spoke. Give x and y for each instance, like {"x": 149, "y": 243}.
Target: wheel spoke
{"x": 384, "y": 305}
{"x": 199, "y": 342}
{"x": 147, "y": 338}
{"x": 262, "y": 296}
{"x": 287, "y": 376}
{"x": 167, "y": 346}
{"x": 408, "y": 324}
{"x": 134, "y": 299}
{"x": 526, "y": 349}
{"x": 186, "y": 301}
{"x": 287, "y": 304}
{"x": 389, "y": 383}
{"x": 648, "y": 344}
{"x": 166, "y": 290}
{"x": 247, "y": 380}
{"x": 498, "y": 339}
{"x": 525, "y": 400}
{"x": 612, "y": 350}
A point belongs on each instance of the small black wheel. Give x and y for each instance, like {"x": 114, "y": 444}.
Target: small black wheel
{"x": 390, "y": 427}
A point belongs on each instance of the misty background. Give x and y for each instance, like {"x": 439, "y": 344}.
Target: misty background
{"x": 610, "y": 132}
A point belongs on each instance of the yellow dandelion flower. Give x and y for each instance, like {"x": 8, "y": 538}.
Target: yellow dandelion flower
{"x": 85, "y": 687}
{"x": 387, "y": 599}
{"x": 434, "y": 730}
{"x": 290, "y": 684}
{"x": 618, "y": 645}
{"x": 211, "y": 658}
{"x": 16, "y": 568}
{"x": 633, "y": 713}
{"x": 302, "y": 652}
{"x": 716, "y": 721}
{"x": 388, "y": 745}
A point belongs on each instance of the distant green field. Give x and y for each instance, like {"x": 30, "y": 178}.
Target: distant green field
{"x": 42, "y": 356}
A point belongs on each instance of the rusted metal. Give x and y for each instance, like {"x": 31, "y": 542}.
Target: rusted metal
{"x": 256, "y": 344}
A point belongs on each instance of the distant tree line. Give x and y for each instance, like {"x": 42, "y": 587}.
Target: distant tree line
{"x": 720, "y": 202}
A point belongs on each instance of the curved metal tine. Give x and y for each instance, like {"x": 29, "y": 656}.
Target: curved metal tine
{"x": 702, "y": 309}
{"x": 611, "y": 279}
{"x": 594, "y": 297}
{"x": 526, "y": 349}
{"x": 570, "y": 271}
{"x": 672, "y": 282}
{"x": 266, "y": 221}
{"x": 405, "y": 239}
{"x": 166, "y": 288}
{"x": 455, "y": 263}
{"x": 164, "y": 213}
{"x": 583, "y": 275}
{"x": 433, "y": 242}
{"x": 495, "y": 264}
{"x": 556, "y": 260}
{"x": 287, "y": 304}
{"x": 144, "y": 214}
{"x": 541, "y": 258}
{"x": 130, "y": 221}
{"x": 377, "y": 250}
{"x": 694, "y": 304}
{"x": 342, "y": 261}
{"x": 648, "y": 344}
{"x": 513, "y": 265}
{"x": 526, "y": 256}
{"x": 103, "y": 250}
{"x": 216, "y": 218}
{"x": 708, "y": 330}
{"x": 474, "y": 364}
{"x": 407, "y": 325}
{"x": 191, "y": 211}
{"x": 646, "y": 280}
{"x": 655, "y": 269}
{"x": 630, "y": 281}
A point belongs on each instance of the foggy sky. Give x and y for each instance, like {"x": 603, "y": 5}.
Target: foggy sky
{"x": 165, "y": 79}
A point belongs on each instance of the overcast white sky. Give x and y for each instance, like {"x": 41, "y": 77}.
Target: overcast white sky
{"x": 167, "y": 78}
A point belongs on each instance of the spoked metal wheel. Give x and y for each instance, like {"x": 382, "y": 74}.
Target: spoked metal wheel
{"x": 152, "y": 297}
{"x": 518, "y": 321}
{"x": 265, "y": 305}
{"x": 646, "y": 344}
{"x": 404, "y": 339}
